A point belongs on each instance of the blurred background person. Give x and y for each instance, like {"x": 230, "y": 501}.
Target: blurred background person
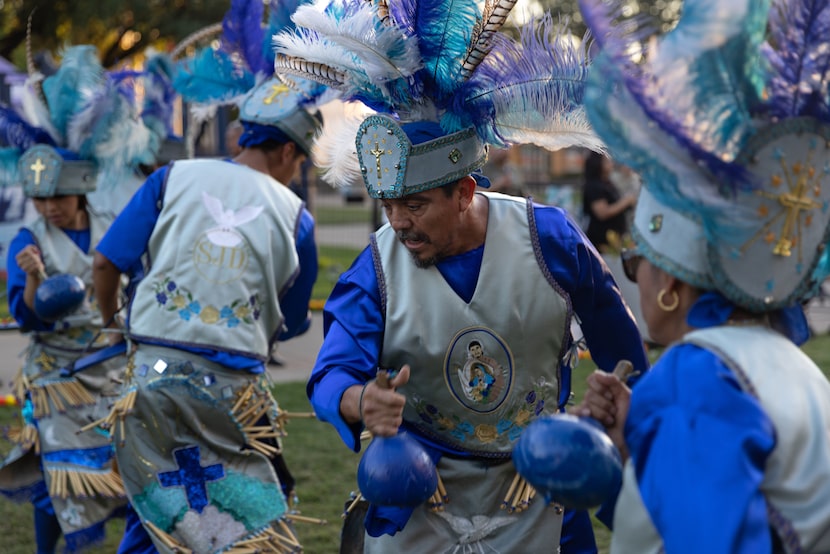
{"x": 602, "y": 202}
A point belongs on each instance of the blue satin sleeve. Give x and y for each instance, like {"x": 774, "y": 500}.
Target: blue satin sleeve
{"x": 353, "y": 330}
{"x": 294, "y": 302}
{"x": 126, "y": 239}
{"x": 16, "y": 284}
{"x": 608, "y": 326}
{"x": 699, "y": 445}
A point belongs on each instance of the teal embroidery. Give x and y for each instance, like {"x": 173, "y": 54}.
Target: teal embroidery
{"x": 174, "y": 298}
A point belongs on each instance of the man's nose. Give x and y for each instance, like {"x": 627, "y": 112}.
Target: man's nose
{"x": 398, "y": 219}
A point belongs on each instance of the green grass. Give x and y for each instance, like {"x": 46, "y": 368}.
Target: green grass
{"x": 342, "y": 215}
{"x": 323, "y": 467}
{"x": 333, "y": 261}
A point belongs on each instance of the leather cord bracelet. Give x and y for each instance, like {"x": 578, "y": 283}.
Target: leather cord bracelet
{"x": 360, "y": 402}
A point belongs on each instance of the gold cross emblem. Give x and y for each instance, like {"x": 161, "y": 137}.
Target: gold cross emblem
{"x": 277, "y": 90}
{"x": 45, "y": 361}
{"x": 38, "y": 168}
{"x": 377, "y": 153}
{"x": 794, "y": 203}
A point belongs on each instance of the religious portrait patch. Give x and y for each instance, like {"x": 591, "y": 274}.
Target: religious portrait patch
{"x": 478, "y": 369}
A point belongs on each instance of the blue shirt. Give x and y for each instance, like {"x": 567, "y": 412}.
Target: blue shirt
{"x": 128, "y": 237}
{"x": 16, "y": 277}
{"x": 354, "y": 326}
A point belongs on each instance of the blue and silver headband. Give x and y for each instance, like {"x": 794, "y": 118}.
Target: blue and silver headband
{"x": 394, "y": 167}
{"x": 275, "y": 104}
{"x": 44, "y": 173}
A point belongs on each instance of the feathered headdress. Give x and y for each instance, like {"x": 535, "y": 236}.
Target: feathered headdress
{"x": 727, "y": 120}
{"x": 444, "y": 61}
{"x": 157, "y": 110}
{"x": 238, "y": 69}
{"x": 88, "y": 113}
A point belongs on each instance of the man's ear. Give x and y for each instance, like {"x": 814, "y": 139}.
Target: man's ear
{"x": 466, "y": 189}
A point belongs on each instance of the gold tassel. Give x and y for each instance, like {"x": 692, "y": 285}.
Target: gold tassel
{"x": 519, "y": 495}
{"x": 269, "y": 541}
{"x": 439, "y": 497}
{"x": 250, "y": 407}
{"x": 167, "y": 540}
{"x": 306, "y": 519}
{"x": 63, "y": 395}
{"x": 20, "y": 386}
{"x": 64, "y": 483}
{"x": 122, "y": 407}
{"x": 351, "y": 507}
{"x": 25, "y": 436}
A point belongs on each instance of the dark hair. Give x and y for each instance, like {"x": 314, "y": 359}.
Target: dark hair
{"x": 271, "y": 145}
{"x": 450, "y": 188}
{"x": 594, "y": 167}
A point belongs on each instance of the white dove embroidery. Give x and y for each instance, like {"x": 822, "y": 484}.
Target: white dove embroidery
{"x": 223, "y": 234}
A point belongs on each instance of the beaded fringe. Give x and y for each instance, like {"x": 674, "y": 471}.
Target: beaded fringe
{"x": 64, "y": 483}
{"x": 20, "y": 386}
{"x": 120, "y": 409}
{"x": 62, "y": 394}
{"x": 267, "y": 541}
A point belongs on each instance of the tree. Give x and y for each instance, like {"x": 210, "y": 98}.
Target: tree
{"x": 119, "y": 28}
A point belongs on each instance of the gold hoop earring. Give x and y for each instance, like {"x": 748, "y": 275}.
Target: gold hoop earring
{"x": 668, "y": 307}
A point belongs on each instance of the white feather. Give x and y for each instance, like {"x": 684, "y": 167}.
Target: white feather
{"x": 334, "y": 151}
{"x": 367, "y": 39}
{"x": 553, "y": 133}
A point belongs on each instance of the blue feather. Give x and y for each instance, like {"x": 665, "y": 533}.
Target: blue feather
{"x": 799, "y": 58}
{"x": 242, "y": 33}
{"x": 444, "y": 29}
{"x": 80, "y": 72}
{"x": 8, "y": 166}
{"x": 524, "y": 87}
{"x": 159, "y": 95}
{"x": 660, "y": 94}
{"x": 279, "y": 20}
{"x": 17, "y": 133}
{"x": 211, "y": 76}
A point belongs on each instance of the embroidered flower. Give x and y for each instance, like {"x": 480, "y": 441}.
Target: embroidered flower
{"x": 233, "y": 322}
{"x": 539, "y": 407}
{"x": 531, "y": 397}
{"x": 179, "y": 301}
{"x": 171, "y": 286}
{"x": 184, "y": 314}
{"x": 522, "y": 417}
{"x": 241, "y": 312}
{"x": 486, "y": 433}
{"x": 226, "y": 312}
{"x": 195, "y": 307}
{"x": 444, "y": 422}
{"x": 161, "y": 298}
{"x": 209, "y": 315}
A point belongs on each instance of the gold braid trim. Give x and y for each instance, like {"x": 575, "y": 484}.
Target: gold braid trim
{"x": 120, "y": 409}
{"x": 250, "y": 407}
{"x": 519, "y": 495}
{"x": 64, "y": 483}
{"x": 63, "y": 394}
{"x": 25, "y": 436}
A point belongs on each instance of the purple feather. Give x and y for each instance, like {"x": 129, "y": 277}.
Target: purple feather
{"x": 799, "y": 58}
{"x": 16, "y": 132}
{"x": 617, "y": 37}
{"x": 242, "y": 33}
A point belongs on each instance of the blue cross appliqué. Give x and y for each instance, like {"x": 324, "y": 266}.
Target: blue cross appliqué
{"x": 192, "y": 476}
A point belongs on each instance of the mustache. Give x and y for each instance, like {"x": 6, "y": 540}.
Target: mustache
{"x": 404, "y": 236}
